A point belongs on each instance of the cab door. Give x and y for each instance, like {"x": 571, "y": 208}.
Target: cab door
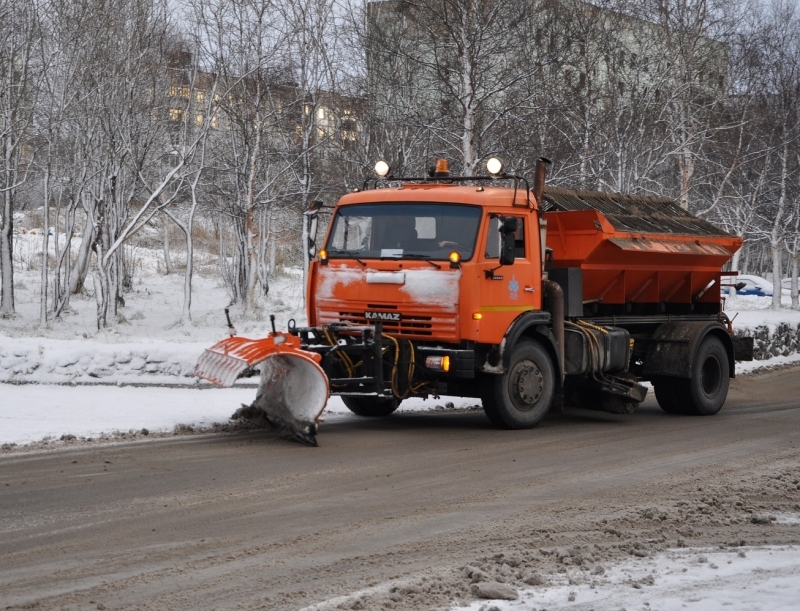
{"x": 508, "y": 291}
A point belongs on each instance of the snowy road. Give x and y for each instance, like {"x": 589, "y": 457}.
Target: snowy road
{"x": 410, "y": 512}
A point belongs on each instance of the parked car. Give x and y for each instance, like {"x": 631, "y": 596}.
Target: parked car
{"x": 753, "y": 285}
{"x": 786, "y": 286}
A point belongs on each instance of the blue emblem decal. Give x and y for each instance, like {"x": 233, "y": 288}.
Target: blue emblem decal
{"x": 513, "y": 288}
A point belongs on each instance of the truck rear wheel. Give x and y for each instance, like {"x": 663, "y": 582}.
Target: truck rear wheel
{"x": 371, "y": 407}
{"x": 520, "y": 398}
{"x": 705, "y": 392}
{"x": 667, "y": 398}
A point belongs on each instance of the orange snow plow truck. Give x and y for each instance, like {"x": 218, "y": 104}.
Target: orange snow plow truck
{"x": 526, "y": 297}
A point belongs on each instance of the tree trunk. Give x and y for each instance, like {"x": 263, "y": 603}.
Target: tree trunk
{"x": 6, "y": 258}
{"x": 777, "y": 233}
{"x": 777, "y": 255}
{"x": 101, "y": 283}
{"x": 81, "y": 268}
{"x": 167, "y": 259}
{"x": 186, "y": 315}
{"x": 273, "y": 242}
{"x": 45, "y": 250}
{"x": 251, "y": 226}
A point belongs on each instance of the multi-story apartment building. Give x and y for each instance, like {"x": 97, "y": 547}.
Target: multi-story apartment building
{"x": 327, "y": 119}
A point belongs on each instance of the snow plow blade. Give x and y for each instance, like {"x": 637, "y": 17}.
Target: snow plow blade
{"x": 293, "y": 390}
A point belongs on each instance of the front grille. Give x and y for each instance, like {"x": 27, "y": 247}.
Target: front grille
{"x": 432, "y": 323}
{"x": 409, "y": 325}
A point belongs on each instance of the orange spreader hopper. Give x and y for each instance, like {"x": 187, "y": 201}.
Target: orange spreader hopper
{"x": 635, "y": 249}
{"x": 293, "y": 390}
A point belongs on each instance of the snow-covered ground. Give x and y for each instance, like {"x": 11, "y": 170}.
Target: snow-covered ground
{"x": 35, "y": 412}
{"x": 737, "y": 579}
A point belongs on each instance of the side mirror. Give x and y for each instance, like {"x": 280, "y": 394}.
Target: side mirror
{"x": 312, "y": 236}
{"x": 508, "y": 227}
{"x": 313, "y": 223}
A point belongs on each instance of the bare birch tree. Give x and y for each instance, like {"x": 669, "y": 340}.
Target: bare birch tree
{"x": 311, "y": 36}
{"x": 20, "y": 72}
{"x": 246, "y": 43}
{"x": 467, "y": 59}
{"x": 693, "y": 37}
{"x": 780, "y": 62}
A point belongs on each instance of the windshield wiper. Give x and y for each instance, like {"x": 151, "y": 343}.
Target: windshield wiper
{"x": 426, "y": 258}
{"x": 349, "y": 253}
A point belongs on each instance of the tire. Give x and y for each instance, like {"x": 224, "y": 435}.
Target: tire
{"x": 666, "y": 396}
{"x": 705, "y": 392}
{"x": 371, "y": 407}
{"x": 520, "y": 398}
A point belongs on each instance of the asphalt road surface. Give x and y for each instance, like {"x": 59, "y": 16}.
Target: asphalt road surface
{"x": 387, "y": 513}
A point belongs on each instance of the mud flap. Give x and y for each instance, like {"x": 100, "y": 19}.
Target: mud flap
{"x": 293, "y": 390}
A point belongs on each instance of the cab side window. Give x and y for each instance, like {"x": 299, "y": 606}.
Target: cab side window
{"x": 492, "y": 250}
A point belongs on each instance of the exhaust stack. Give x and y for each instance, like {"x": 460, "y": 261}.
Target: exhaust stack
{"x": 539, "y": 178}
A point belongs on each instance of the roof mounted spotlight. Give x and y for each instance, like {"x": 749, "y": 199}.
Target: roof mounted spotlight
{"x": 382, "y": 169}
{"x": 494, "y": 166}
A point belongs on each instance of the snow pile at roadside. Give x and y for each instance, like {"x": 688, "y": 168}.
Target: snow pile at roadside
{"x": 88, "y": 361}
{"x": 53, "y": 361}
{"x": 736, "y": 579}
{"x": 782, "y": 339}
{"x": 33, "y": 413}
{"x": 776, "y": 332}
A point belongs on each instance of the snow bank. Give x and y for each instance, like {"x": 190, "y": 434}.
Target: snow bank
{"x": 737, "y": 579}
{"x": 151, "y": 360}
{"x": 782, "y": 339}
{"x": 52, "y": 361}
{"x": 41, "y": 412}
{"x": 34, "y": 413}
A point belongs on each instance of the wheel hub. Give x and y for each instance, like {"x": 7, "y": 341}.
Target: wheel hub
{"x": 711, "y": 376}
{"x": 527, "y": 385}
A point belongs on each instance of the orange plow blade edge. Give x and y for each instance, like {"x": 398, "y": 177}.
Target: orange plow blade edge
{"x": 293, "y": 389}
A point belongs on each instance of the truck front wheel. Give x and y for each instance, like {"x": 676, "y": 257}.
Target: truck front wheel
{"x": 520, "y": 398}
{"x": 370, "y": 407}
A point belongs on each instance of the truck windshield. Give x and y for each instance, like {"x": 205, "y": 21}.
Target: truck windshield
{"x": 404, "y": 230}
